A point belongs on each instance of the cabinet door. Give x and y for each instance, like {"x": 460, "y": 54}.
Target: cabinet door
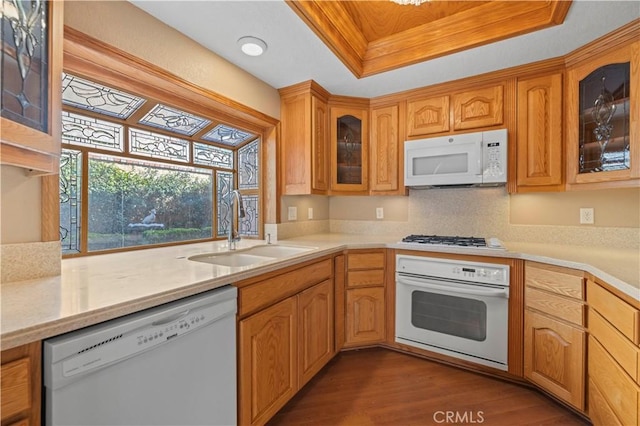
{"x": 295, "y": 155}
{"x": 554, "y": 357}
{"x": 21, "y": 385}
{"x": 349, "y": 150}
{"x": 31, "y": 87}
{"x": 315, "y": 322}
{"x": 539, "y": 136}
{"x": 365, "y": 316}
{"x": 428, "y": 116}
{"x": 267, "y": 361}
{"x": 385, "y": 149}
{"x": 319, "y": 145}
{"x": 602, "y": 119}
{"x": 478, "y": 108}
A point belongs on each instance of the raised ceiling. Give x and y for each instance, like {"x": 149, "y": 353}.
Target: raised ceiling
{"x": 371, "y": 37}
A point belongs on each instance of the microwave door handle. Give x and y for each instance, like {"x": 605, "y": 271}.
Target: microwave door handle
{"x": 479, "y": 161}
{"x": 453, "y": 289}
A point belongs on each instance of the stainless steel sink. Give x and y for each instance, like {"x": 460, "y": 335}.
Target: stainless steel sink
{"x": 251, "y": 256}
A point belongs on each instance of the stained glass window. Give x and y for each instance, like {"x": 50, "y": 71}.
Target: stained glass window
{"x": 249, "y": 224}
{"x": 81, "y": 130}
{"x": 227, "y": 135}
{"x": 24, "y": 57}
{"x": 209, "y": 155}
{"x": 174, "y": 120}
{"x": 248, "y": 165}
{"x": 91, "y": 96}
{"x": 70, "y": 200}
{"x": 158, "y": 146}
{"x": 224, "y": 182}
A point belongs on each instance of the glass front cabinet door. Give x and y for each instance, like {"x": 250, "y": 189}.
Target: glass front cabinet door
{"x": 31, "y": 81}
{"x": 603, "y": 123}
{"x": 349, "y": 149}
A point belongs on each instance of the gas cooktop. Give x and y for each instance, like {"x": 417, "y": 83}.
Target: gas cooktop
{"x": 454, "y": 241}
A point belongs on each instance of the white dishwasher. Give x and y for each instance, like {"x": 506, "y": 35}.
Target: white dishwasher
{"x": 174, "y": 364}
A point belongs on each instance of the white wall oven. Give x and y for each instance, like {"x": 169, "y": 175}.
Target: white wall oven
{"x": 453, "y": 307}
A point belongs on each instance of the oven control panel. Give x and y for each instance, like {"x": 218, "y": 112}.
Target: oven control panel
{"x": 478, "y": 272}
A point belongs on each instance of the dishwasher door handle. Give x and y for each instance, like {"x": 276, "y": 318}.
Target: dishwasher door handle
{"x": 171, "y": 318}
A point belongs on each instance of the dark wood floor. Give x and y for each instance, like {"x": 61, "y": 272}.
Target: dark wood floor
{"x": 383, "y": 387}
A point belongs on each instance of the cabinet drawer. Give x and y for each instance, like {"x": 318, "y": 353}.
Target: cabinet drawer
{"x": 619, "y": 347}
{"x": 371, "y": 278}
{"x": 560, "y": 307}
{"x": 620, "y": 314}
{"x": 265, "y": 293}
{"x": 563, "y": 281}
{"x": 600, "y": 412}
{"x": 373, "y": 260}
{"x": 16, "y": 387}
{"x": 620, "y": 392}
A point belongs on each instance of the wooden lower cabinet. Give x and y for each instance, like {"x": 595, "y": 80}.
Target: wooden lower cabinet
{"x": 315, "y": 329}
{"x": 268, "y": 361}
{"x": 554, "y": 354}
{"x": 21, "y": 385}
{"x": 365, "y": 316}
{"x": 614, "y": 358}
{"x": 620, "y": 394}
{"x": 281, "y": 348}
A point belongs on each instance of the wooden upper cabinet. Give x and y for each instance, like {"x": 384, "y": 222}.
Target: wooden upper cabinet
{"x": 349, "y": 149}
{"x": 304, "y": 132}
{"x": 539, "y": 135}
{"x": 319, "y": 145}
{"x": 428, "y": 116}
{"x": 478, "y": 108}
{"x": 602, "y": 114}
{"x": 385, "y": 149}
{"x": 31, "y": 90}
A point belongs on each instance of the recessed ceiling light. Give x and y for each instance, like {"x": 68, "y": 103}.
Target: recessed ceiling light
{"x": 252, "y": 46}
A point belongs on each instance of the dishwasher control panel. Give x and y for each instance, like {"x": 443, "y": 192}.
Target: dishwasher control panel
{"x": 121, "y": 346}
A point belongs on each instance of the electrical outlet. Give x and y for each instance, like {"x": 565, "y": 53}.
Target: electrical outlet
{"x": 586, "y": 216}
{"x": 292, "y": 213}
{"x": 379, "y": 213}
{"x": 310, "y": 213}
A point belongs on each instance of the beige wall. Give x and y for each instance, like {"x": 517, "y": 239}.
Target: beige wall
{"x": 122, "y": 25}
{"x": 19, "y": 206}
{"x": 612, "y": 208}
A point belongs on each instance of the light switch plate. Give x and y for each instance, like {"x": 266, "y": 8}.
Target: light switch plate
{"x": 379, "y": 213}
{"x": 292, "y": 213}
{"x": 310, "y": 213}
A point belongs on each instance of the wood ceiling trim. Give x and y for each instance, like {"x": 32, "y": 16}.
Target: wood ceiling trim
{"x": 335, "y": 27}
{"x": 470, "y": 28}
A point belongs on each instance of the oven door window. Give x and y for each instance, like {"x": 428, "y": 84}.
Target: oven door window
{"x": 451, "y": 315}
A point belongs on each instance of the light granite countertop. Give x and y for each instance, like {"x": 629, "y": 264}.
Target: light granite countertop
{"x": 94, "y": 289}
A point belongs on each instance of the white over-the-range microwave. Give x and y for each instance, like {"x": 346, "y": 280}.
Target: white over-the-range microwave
{"x": 470, "y": 159}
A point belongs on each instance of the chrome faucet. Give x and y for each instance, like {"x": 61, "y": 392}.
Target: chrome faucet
{"x": 233, "y": 235}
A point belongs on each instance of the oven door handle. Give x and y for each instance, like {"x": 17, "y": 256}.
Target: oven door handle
{"x": 455, "y": 288}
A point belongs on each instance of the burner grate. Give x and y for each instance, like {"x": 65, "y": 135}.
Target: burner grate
{"x": 446, "y": 240}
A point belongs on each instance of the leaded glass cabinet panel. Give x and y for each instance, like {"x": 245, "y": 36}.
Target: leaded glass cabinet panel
{"x": 604, "y": 119}
{"x": 31, "y": 66}
{"x": 602, "y": 109}
{"x": 349, "y": 149}
{"x": 25, "y": 62}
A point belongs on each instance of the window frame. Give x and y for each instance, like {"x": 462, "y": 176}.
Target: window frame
{"x": 94, "y": 60}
